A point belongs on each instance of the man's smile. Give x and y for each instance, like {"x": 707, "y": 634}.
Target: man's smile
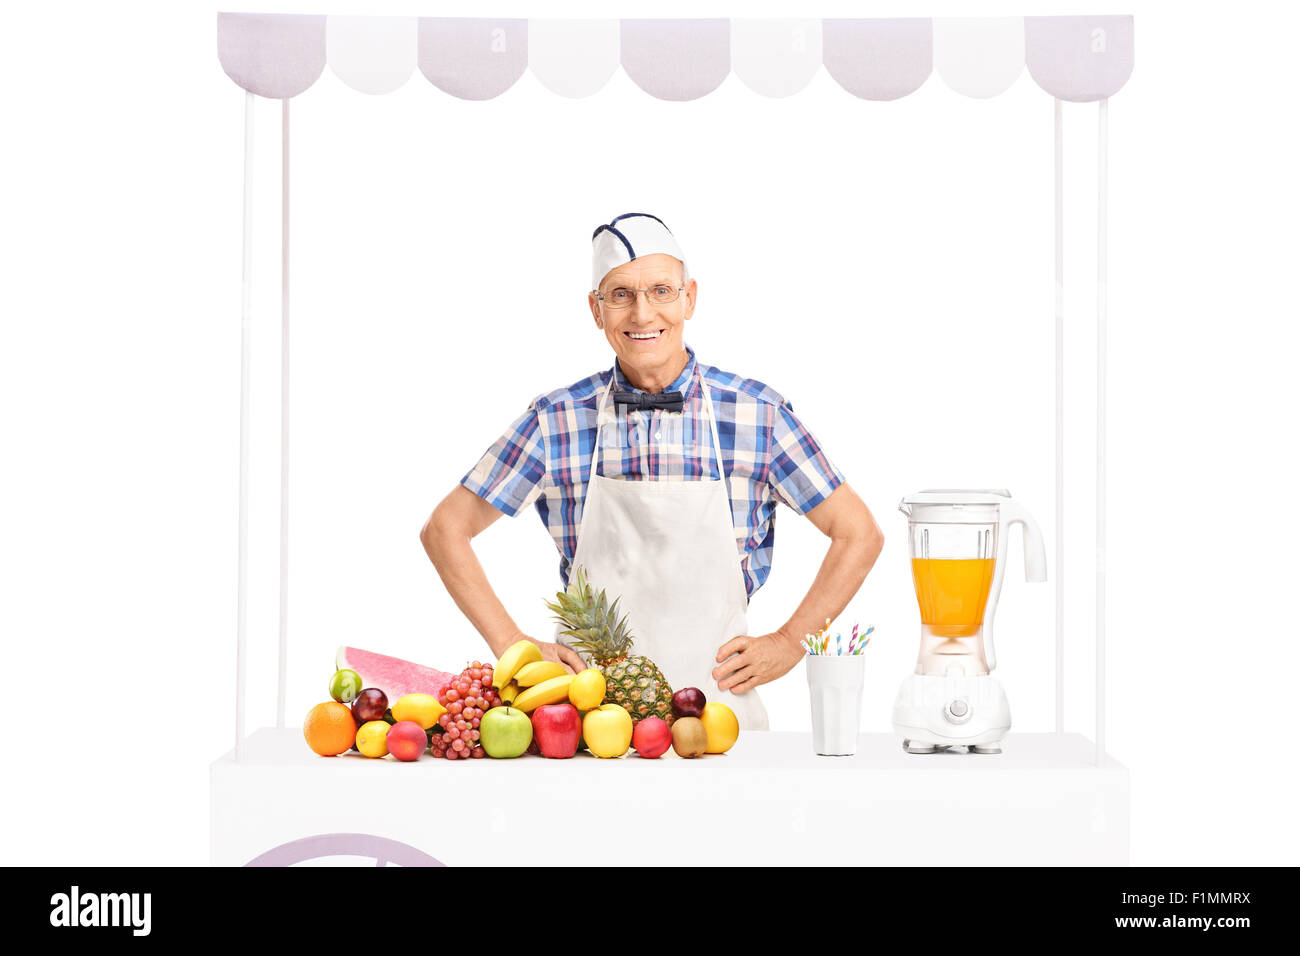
{"x": 649, "y": 335}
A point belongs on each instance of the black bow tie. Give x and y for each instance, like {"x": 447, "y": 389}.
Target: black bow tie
{"x": 672, "y": 401}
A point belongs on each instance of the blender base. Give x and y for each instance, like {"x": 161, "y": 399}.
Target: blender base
{"x": 913, "y": 747}
{"x": 933, "y": 713}
{"x": 916, "y": 747}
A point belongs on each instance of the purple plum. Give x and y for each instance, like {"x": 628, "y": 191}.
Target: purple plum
{"x": 687, "y": 702}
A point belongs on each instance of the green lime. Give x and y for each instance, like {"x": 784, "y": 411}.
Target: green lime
{"x": 345, "y": 685}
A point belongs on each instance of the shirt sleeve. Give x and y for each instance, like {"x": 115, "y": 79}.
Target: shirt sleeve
{"x": 799, "y": 472}
{"x": 511, "y": 474}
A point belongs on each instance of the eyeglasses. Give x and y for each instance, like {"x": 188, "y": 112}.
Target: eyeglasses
{"x": 622, "y": 298}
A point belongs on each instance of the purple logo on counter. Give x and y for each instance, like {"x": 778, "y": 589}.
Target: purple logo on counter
{"x": 381, "y": 849}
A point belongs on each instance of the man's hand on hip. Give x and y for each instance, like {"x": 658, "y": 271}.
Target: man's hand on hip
{"x": 757, "y": 660}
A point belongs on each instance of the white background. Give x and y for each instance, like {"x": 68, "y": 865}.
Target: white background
{"x": 887, "y": 266}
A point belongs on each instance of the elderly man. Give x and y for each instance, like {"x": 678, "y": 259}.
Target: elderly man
{"x": 660, "y": 476}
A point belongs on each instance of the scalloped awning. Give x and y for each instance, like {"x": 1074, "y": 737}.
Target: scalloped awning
{"x": 1075, "y": 58}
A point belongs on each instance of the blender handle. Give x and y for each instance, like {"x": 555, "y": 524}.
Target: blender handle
{"x": 1009, "y": 513}
{"x": 1035, "y": 552}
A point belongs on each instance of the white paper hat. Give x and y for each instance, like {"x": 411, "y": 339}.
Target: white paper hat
{"x": 628, "y": 237}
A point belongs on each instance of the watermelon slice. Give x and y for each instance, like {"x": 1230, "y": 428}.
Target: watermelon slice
{"x": 394, "y": 676}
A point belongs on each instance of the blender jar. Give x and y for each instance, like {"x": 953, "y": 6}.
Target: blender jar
{"x": 954, "y": 550}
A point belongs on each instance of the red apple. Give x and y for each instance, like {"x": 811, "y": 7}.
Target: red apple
{"x": 652, "y": 737}
{"x": 557, "y": 729}
{"x": 370, "y": 704}
{"x": 407, "y": 740}
{"x": 687, "y": 702}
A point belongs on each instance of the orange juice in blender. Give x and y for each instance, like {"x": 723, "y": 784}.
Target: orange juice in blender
{"x": 954, "y": 570}
{"x": 952, "y": 593}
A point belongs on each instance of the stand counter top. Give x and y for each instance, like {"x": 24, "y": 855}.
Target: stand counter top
{"x": 768, "y": 801}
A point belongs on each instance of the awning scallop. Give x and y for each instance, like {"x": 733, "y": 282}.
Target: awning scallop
{"x": 878, "y": 59}
{"x": 472, "y": 59}
{"x": 372, "y": 54}
{"x": 1077, "y": 58}
{"x": 574, "y": 58}
{"x": 677, "y": 59}
{"x": 271, "y": 54}
{"x": 776, "y": 58}
{"x": 979, "y": 58}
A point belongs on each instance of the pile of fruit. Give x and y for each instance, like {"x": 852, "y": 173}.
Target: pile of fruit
{"x": 523, "y": 704}
{"x": 359, "y": 718}
{"x": 553, "y": 716}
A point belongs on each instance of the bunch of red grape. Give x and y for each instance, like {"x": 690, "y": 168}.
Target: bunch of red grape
{"x": 467, "y": 698}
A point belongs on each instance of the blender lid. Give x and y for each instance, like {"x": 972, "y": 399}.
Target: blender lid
{"x": 958, "y": 496}
{"x": 947, "y": 504}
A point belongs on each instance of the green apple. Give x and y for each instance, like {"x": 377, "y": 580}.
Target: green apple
{"x": 505, "y": 732}
{"x": 345, "y": 685}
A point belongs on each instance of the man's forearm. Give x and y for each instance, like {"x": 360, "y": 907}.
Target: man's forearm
{"x": 464, "y": 578}
{"x": 842, "y": 571}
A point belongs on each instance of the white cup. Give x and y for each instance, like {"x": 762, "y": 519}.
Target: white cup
{"x": 835, "y": 689}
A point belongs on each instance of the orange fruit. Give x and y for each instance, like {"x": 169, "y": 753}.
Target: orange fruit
{"x": 330, "y": 729}
{"x": 721, "y": 728}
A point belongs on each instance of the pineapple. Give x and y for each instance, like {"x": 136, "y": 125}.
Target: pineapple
{"x": 633, "y": 682}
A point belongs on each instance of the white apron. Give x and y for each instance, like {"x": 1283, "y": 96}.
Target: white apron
{"x": 668, "y": 550}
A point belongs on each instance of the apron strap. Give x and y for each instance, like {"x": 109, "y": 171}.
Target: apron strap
{"x": 601, "y": 404}
{"x": 713, "y": 427}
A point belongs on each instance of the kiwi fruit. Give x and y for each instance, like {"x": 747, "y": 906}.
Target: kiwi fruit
{"x": 689, "y": 737}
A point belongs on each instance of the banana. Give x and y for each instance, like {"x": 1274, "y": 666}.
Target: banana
{"x": 509, "y": 693}
{"x": 547, "y": 692}
{"x": 515, "y": 657}
{"x": 538, "y": 671}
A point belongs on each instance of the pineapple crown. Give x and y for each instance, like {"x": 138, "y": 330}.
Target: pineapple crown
{"x": 589, "y": 619}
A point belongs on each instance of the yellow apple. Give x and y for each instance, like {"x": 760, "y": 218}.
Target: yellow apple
{"x": 607, "y": 730}
{"x": 720, "y": 727}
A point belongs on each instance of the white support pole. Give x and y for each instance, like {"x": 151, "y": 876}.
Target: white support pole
{"x": 284, "y": 410}
{"x": 1100, "y": 677}
{"x": 245, "y": 352}
{"x": 1059, "y": 216}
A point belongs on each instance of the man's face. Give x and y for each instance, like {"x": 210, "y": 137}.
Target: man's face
{"x": 646, "y": 337}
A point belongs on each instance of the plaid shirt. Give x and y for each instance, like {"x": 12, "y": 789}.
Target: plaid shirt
{"x": 544, "y": 457}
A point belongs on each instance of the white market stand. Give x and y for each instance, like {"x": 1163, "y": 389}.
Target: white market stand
{"x": 1048, "y": 799}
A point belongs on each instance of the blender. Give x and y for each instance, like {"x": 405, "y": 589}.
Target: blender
{"x": 958, "y": 544}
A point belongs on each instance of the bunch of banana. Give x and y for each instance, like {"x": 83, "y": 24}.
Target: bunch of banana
{"x": 553, "y": 691}
{"x": 533, "y": 674}
{"x": 516, "y": 657}
{"x": 527, "y": 682}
